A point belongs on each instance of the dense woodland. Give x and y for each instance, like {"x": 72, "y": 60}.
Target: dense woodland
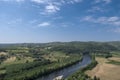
{"x": 29, "y": 61}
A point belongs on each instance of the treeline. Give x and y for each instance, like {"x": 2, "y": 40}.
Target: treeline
{"x": 101, "y": 49}
{"x": 105, "y": 54}
{"x": 66, "y": 49}
{"x": 77, "y": 47}
{"x": 14, "y": 69}
{"x": 90, "y": 46}
{"x": 114, "y": 62}
{"x": 31, "y": 71}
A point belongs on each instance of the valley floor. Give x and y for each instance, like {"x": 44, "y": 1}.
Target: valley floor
{"x": 105, "y": 70}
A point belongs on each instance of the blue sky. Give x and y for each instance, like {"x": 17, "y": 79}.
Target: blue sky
{"x": 37, "y": 21}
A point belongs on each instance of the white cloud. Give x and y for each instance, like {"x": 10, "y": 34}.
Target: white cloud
{"x": 78, "y": 0}
{"x": 73, "y": 1}
{"x": 13, "y": 0}
{"x": 64, "y": 24}
{"x": 15, "y": 21}
{"x": 111, "y": 21}
{"x": 57, "y": 1}
{"x": 107, "y": 1}
{"x": 97, "y": 1}
{"x": 33, "y": 21}
{"x": 99, "y": 6}
{"x": 20, "y": 0}
{"x": 102, "y": 1}
{"x": 87, "y": 18}
{"x": 44, "y": 24}
{"x": 114, "y": 20}
{"x": 96, "y": 9}
{"x": 117, "y": 23}
{"x": 39, "y": 1}
{"x": 51, "y": 8}
{"x": 115, "y": 30}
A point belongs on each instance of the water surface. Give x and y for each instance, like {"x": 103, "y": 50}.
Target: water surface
{"x": 69, "y": 70}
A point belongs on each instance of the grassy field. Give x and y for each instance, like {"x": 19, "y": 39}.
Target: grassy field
{"x": 14, "y": 60}
{"x": 105, "y": 70}
{"x": 116, "y": 53}
{"x": 55, "y": 56}
{"x": 3, "y": 53}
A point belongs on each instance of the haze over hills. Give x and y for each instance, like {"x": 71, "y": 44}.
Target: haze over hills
{"x": 89, "y": 44}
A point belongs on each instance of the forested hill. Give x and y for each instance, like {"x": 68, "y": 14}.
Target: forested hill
{"x": 82, "y": 46}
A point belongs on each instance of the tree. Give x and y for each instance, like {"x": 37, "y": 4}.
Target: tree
{"x": 95, "y": 78}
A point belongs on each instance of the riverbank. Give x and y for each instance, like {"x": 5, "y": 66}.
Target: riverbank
{"x": 80, "y": 75}
{"x": 68, "y": 70}
{"x": 42, "y": 70}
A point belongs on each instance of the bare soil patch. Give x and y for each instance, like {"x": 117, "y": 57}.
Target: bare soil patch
{"x": 105, "y": 71}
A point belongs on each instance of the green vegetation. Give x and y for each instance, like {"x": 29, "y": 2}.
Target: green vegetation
{"x": 33, "y": 70}
{"x": 114, "y": 62}
{"x": 103, "y": 54}
{"x": 80, "y": 75}
{"x": 116, "y": 53}
{"x": 29, "y": 61}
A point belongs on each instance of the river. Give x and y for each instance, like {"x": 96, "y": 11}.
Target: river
{"x": 69, "y": 70}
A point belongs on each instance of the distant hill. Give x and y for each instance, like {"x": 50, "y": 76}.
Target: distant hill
{"x": 105, "y": 46}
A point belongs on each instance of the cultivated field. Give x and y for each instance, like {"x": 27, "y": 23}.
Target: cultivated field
{"x": 105, "y": 70}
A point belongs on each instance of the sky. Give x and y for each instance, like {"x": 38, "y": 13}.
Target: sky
{"x": 41, "y": 21}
